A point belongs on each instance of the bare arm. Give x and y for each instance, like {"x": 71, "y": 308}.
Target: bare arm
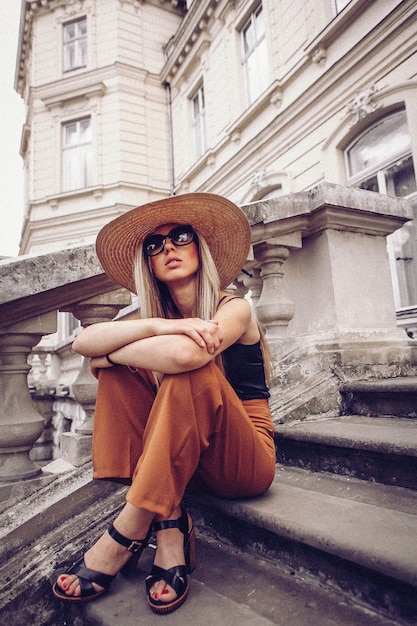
{"x": 106, "y": 337}
{"x": 181, "y": 352}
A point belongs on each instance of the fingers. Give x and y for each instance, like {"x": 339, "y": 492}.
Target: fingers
{"x": 208, "y": 334}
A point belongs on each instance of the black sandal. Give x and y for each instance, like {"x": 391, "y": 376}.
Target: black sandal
{"x": 87, "y": 576}
{"x": 175, "y": 577}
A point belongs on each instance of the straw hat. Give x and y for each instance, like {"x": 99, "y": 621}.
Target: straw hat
{"x": 223, "y": 225}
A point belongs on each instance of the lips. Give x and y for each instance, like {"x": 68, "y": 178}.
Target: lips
{"x": 172, "y": 262}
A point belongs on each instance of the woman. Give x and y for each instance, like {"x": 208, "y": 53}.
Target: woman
{"x": 171, "y": 413}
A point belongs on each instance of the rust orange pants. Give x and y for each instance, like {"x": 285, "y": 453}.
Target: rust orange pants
{"x": 193, "y": 433}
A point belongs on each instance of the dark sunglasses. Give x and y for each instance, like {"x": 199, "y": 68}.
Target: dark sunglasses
{"x": 180, "y": 236}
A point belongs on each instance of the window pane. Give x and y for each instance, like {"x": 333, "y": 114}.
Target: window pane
{"x": 75, "y": 44}
{"x": 248, "y": 38}
{"x": 387, "y": 138}
{"x": 401, "y": 179}
{"x": 77, "y": 155}
{"x": 371, "y": 184}
{"x": 199, "y": 123}
{"x": 259, "y": 23}
{"x": 255, "y": 56}
{"x": 381, "y": 161}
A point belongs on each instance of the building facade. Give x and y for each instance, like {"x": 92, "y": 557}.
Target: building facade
{"x": 129, "y": 101}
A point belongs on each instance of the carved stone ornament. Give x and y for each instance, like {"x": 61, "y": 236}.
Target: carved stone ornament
{"x": 319, "y": 56}
{"x": 362, "y": 104}
{"x": 258, "y": 179}
{"x": 73, "y": 6}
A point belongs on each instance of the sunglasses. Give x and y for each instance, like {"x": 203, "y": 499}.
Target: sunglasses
{"x": 179, "y": 236}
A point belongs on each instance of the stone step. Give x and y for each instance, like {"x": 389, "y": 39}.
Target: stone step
{"x": 381, "y": 449}
{"x": 391, "y": 396}
{"x": 316, "y": 549}
{"x": 228, "y": 587}
{"x": 355, "y": 538}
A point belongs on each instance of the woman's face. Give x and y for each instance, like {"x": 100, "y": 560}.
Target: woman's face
{"x": 175, "y": 263}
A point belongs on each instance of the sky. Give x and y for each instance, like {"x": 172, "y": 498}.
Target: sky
{"x": 12, "y": 118}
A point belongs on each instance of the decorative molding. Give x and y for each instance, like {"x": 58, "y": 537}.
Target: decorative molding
{"x": 362, "y": 104}
{"x": 319, "y": 56}
{"x": 73, "y": 6}
{"x": 258, "y": 180}
{"x": 62, "y": 97}
{"x": 276, "y": 97}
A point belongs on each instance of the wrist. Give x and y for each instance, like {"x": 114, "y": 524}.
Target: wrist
{"x": 109, "y": 360}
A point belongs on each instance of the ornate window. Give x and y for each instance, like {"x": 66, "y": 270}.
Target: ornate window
{"x": 255, "y": 57}
{"x": 77, "y": 154}
{"x": 75, "y": 44}
{"x": 199, "y": 122}
{"x": 380, "y": 160}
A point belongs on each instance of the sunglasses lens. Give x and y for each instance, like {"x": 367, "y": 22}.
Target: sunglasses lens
{"x": 180, "y": 236}
{"x": 154, "y": 244}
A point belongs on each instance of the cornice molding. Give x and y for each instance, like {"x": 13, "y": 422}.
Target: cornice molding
{"x": 182, "y": 43}
{"x": 65, "y": 95}
{"x": 31, "y": 8}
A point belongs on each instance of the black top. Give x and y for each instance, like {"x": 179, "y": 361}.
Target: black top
{"x": 244, "y": 368}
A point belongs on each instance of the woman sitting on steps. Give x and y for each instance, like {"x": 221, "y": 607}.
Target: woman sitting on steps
{"x": 182, "y": 402}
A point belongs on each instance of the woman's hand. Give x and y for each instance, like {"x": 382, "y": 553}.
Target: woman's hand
{"x": 205, "y": 333}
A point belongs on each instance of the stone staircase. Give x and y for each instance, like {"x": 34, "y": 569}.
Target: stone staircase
{"x": 333, "y": 541}
{"x": 342, "y": 511}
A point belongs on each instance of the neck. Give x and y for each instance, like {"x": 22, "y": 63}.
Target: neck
{"x": 185, "y": 299}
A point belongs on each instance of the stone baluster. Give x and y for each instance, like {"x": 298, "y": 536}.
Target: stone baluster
{"x": 274, "y": 308}
{"x": 20, "y": 422}
{"x": 76, "y": 447}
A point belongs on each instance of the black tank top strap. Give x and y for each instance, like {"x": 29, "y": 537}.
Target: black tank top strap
{"x": 229, "y": 298}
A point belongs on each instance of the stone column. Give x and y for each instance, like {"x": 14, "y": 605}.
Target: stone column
{"x": 76, "y": 447}
{"x": 20, "y": 423}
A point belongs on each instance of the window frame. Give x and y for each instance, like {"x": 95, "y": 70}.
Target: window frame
{"x": 80, "y": 44}
{"x": 380, "y": 169}
{"x": 256, "y": 52}
{"x": 84, "y": 157}
{"x": 199, "y": 121}
{"x": 404, "y": 272}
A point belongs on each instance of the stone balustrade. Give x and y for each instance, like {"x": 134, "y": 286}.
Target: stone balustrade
{"x": 320, "y": 283}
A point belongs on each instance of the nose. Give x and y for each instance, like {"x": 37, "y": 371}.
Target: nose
{"x": 168, "y": 245}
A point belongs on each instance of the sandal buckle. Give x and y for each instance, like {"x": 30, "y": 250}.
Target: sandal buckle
{"x": 135, "y": 546}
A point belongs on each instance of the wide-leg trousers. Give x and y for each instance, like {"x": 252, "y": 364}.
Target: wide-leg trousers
{"x": 192, "y": 433}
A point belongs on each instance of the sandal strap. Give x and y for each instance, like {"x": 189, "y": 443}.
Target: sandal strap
{"x": 133, "y": 545}
{"x": 181, "y": 523}
{"x": 175, "y": 577}
{"x": 168, "y": 523}
{"x": 86, "y": 576}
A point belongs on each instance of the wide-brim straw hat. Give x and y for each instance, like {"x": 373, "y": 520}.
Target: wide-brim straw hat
{"x": 221, "y": 222}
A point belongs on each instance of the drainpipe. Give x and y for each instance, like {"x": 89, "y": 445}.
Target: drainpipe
{"x": 170, "y": 138}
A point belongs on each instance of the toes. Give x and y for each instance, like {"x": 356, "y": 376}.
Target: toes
{"x": 69, "y": 585}
{"x": 163, "y": 592}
